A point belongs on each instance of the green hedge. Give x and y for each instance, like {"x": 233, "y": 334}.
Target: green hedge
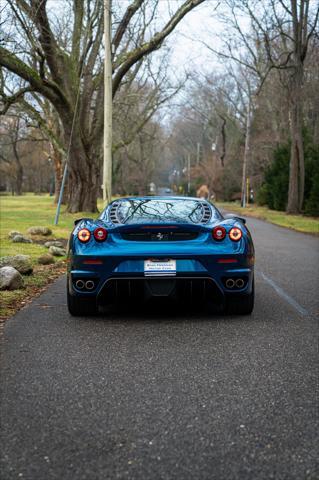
{"x": 274, "y": 190}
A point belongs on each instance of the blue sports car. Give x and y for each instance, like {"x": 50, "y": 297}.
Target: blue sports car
{"x": 146, "y": 247}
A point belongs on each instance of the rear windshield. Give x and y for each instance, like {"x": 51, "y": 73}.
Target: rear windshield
{"x": 163, "y": 210}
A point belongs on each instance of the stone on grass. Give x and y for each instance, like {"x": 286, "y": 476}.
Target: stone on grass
{"x": 21, "y": 239}
{"x": 45, "y": 231}
{"x": 46, "y": 259}
{"x": 10, "y": 279}
{"x": 22, "y": 263}
{"x": 13, "y": 234}
{"x": 53, "y": 243}
{"x": 57, "y": 252}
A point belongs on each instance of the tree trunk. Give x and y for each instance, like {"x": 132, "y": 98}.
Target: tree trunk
{"x": 19, "y": 179}
{"x": 83, "y": 161}
{"x": 84, "y": 174}
{"x": 223, "y": 147}
{"x": 246, "y": 155}
{"x": 58, "y": 174}
{"x": 83, "y": 192}
{"x": 19, "y": 168}
{"x": 297, "y": 161}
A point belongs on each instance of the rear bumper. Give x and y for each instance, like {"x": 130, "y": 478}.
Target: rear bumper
{"x": 140, "y": 288}
{"x": 114, "y": 276}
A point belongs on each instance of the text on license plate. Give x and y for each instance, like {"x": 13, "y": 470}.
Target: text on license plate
{"x": 156, "y": 268}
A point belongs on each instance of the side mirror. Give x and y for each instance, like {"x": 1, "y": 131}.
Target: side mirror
{"x": 233, "y": 216}
{"x": 78, "y": 220}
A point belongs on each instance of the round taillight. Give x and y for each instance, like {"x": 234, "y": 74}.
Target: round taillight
{"x": 100, "y": 234}
{"x": 84, "y": 235}
{"x": 219, "y": 233}
{"x": 235, "y": 234}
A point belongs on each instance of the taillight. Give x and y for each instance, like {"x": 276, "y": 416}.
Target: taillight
{"x": 219, "y": 233}
{"x": 100, "y": 234}
{"x": 84, "y": 235}
{"x": 235, "y": 234}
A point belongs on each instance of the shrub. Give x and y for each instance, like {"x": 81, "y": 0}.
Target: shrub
{"x": 311, "y": 204}
{"x": 274, "y": 190}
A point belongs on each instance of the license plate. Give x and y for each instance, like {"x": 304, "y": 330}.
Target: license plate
{"x": 157, "y": 268}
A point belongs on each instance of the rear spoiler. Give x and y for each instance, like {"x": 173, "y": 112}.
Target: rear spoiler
{"x": 85, "y": 219}
{"x": 233, "y": 216}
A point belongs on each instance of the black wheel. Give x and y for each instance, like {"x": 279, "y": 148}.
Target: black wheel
{"x": 81, "y": 307}
{"x": 241, "y": 304}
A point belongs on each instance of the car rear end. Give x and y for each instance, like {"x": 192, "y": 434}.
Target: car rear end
{"x": 210, "y": 260}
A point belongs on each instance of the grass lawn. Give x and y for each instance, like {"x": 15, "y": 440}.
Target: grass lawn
{"x": 301, "y": 223}
{"x": 20, "y": 213}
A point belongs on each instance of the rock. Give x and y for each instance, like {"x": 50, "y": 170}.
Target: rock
{"x": 13, "y": 234}
{"x": 46, "y": 259}
{"x": 21, "y": 239}
{"x": 57, "y": 252}
{"x": 10, "y": 279}
{"x": 22, "y": 263}
{"x": 53, "y": 243}
{"x": 40, "y": 231}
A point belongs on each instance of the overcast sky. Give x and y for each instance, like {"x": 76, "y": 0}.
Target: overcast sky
{"x": 200, "y": 25}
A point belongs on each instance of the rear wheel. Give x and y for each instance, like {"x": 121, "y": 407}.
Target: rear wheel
{"x": 81, "y": 307}
{"x": 241, "y": 304}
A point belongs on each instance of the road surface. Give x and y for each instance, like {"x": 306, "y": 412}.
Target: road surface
{"x": 166, "y": 395}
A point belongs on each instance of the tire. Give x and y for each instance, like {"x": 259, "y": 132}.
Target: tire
{"x": 81, "y": 307}
{"x": 241, "y": 304}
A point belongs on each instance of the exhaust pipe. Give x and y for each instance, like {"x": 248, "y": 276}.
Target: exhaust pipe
{"x": 240, "y": 283}
{"x": 230, "y": 283}
{"x": 79, "y": 284}
{"x": 89, "y": 285}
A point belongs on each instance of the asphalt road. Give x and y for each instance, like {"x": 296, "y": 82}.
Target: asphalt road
{"x": 142, "y": 395}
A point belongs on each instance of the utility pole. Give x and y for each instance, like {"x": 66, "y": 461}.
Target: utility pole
{"x": 188, "y": 173}
{"x": 107, "y": 143}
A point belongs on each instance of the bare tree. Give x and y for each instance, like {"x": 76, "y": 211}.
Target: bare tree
{"x": 283, "y": 29}
{"x": 137, "y": 131}
{"x": 64, "y": 65}
{"x": 251, "y": 97}
{"x": 10, "y": 155}
{"x": 299, "y": 36}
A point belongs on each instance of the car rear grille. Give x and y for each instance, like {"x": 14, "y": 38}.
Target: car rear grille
{"x": 136, "y": 289}
{"x": 159, "y": 236}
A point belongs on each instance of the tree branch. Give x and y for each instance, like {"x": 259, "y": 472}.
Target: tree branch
{"x": 131, "y": 10}
{"x": 48, "y": 89}
{"x": 78, "y": 11}
{"x": 134, "y": 56}
{"x": 8, "y": 101}
{"x": 46, "y": 38}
